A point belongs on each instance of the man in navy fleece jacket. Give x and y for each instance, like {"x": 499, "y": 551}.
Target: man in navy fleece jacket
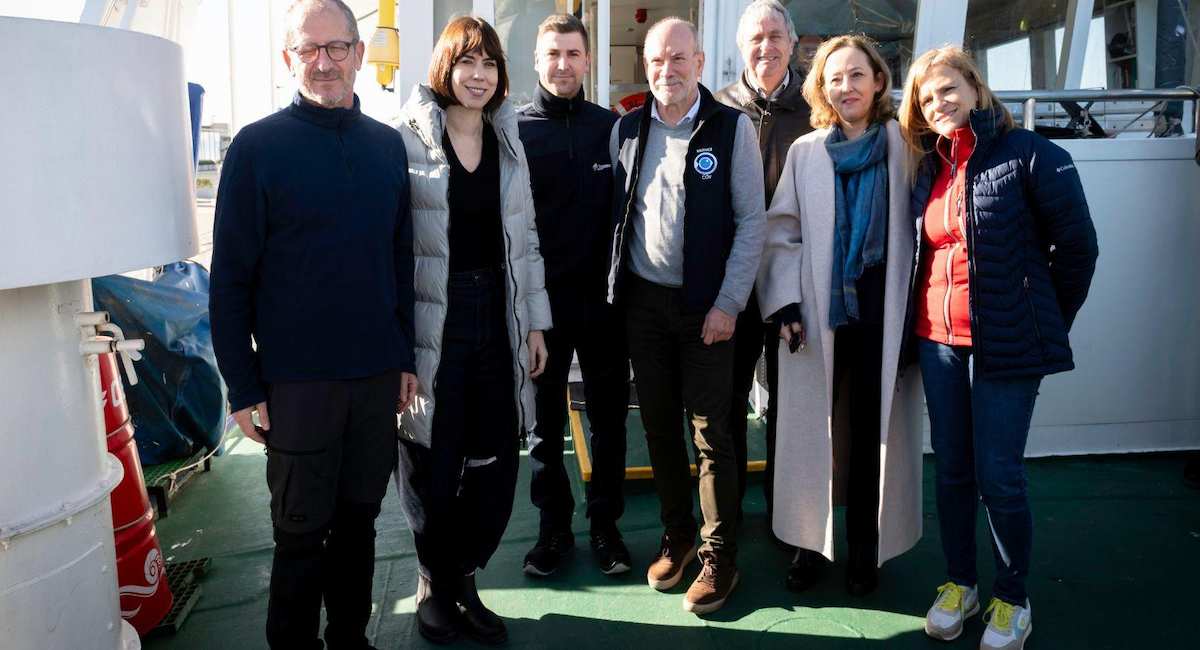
{"x": 313, "y": 260}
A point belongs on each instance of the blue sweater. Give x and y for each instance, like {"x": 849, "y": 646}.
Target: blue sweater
{"x": 312, "y": 252}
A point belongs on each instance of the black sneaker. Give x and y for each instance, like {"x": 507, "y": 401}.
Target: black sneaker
{"x": 549, "y": 552}
{"x": 611, "y": 555}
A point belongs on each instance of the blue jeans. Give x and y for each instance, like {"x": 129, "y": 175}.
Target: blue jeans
{"x": 978, "y": 427}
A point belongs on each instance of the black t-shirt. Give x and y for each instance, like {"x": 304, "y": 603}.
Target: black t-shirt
{"x": 476, "y": 236}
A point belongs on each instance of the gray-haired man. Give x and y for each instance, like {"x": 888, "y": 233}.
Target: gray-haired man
{"x": 687, "y": 170}
{"x": 313, "y": 226}
{"x": 769, "y": 92}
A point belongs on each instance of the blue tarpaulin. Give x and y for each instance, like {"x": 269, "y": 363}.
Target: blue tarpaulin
{"x": 178, "y": 404}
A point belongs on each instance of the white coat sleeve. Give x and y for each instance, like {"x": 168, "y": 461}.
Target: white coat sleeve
{"x": 778, "y": 281}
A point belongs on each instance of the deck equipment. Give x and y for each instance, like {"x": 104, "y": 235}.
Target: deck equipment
{"x": 95, "y": 178}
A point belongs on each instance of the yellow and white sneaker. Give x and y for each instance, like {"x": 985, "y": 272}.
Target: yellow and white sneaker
{"x": 1008, "y": 626}
{"x": 954, "y": 605}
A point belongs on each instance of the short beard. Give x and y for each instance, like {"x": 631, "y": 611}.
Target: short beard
{"x": 325, "y": 101}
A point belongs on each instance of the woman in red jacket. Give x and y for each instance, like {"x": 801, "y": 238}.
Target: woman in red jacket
{"x": 1006, "y": 252}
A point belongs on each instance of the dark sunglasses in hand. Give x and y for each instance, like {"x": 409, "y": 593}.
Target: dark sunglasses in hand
{"x": 335, "y": 50}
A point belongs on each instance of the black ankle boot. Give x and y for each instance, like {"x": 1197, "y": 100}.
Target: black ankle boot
{"x": 805, "y": 570}
{"x": 862, "y": 576}
{"x": 479, "y": 622}
{"x": 437, "y": 613}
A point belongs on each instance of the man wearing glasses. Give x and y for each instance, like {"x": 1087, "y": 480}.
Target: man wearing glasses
{"x": 313, "y": 260}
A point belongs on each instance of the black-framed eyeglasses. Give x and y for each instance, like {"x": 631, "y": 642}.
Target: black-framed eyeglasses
{"x": 335, "y": 50}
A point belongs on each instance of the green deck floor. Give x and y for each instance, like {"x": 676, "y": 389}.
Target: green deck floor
{"x": 1117, "y": 561}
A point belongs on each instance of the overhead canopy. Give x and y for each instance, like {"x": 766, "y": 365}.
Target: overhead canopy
{"x": 883, "y": 20}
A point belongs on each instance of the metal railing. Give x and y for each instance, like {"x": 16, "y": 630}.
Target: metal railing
{"x": 1080, "y": 106}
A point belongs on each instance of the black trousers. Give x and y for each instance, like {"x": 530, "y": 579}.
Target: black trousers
{"x": 677, "y": 373}
{"x": 459, "y": 491}
{"x": 857, "y": 365}
{"x": 330, "y": 452}
{"x": 589, "y": 326}
{"x": 752, "y": 339}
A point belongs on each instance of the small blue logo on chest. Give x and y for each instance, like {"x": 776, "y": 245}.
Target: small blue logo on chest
{"x": 705, "y": 163}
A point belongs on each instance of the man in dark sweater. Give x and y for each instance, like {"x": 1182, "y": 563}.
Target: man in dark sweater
{"x": 313, "y": 260}
{"x": 770, "y": 93}
{"x": 566, "y": 142}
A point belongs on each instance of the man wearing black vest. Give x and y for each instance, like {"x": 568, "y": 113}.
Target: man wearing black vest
{"x": 770, "y": 93}
{"x": 566, "y": 142}
{"x": 313, "y": 260}
{"x": 688, "y": 233}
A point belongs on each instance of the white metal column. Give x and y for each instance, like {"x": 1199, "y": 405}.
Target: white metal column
{"x": 1042, "y": 58}
{"x": 1074, "y": 45}
{"x": 1193, "y": 24}
{"x": 485, "y": 9}
{"x": 416, "y": 45}
{"x": 251, "y": 57}
{"x": 707, "y": 22}
{"x": 1147, "y": 41}
{"x": 603, "y": 39}
{"x": 94, "y": 11}
{"x": 718, "y": 33}
{"x": 939, "y": 22}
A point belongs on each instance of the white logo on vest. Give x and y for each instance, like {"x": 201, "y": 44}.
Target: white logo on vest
{"x": 705, "y": 163}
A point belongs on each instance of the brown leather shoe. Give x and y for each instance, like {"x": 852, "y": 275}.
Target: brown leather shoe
{"x": 667, "y": 568}
{"x": 708, "y": 592}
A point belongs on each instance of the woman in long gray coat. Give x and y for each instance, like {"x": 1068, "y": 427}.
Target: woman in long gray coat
{"x": 481, "y": 309}
{"x": 835, "y": 276}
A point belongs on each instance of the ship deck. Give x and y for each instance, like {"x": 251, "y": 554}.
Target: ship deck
{"x": 1117, "y": 556}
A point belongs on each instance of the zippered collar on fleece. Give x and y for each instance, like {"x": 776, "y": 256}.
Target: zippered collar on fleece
{"x": 330, "y": 118}
{"x": 547, "y": 104}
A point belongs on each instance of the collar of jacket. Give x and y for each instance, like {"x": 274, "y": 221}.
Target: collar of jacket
{"x": 426, "y": 117}
{"x": 988, "y": 126}
{"x": 790, "y": 98}
{"x": 330, "y": 118}
{"x": 551, "y": 105}
{"x": 708, "y": 106}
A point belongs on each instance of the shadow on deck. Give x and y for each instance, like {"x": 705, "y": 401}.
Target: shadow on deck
{"x": 1117, "y": 556}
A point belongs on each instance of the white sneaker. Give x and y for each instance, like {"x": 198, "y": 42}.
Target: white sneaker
{"x": 1008, "y": 626}
{"x": 954, "y": 605}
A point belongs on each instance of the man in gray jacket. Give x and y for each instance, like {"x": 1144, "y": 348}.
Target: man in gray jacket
{"x": 687, "y": 169}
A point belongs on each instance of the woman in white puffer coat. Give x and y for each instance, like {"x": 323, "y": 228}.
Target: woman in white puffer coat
{"x": 481, "y": 310}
